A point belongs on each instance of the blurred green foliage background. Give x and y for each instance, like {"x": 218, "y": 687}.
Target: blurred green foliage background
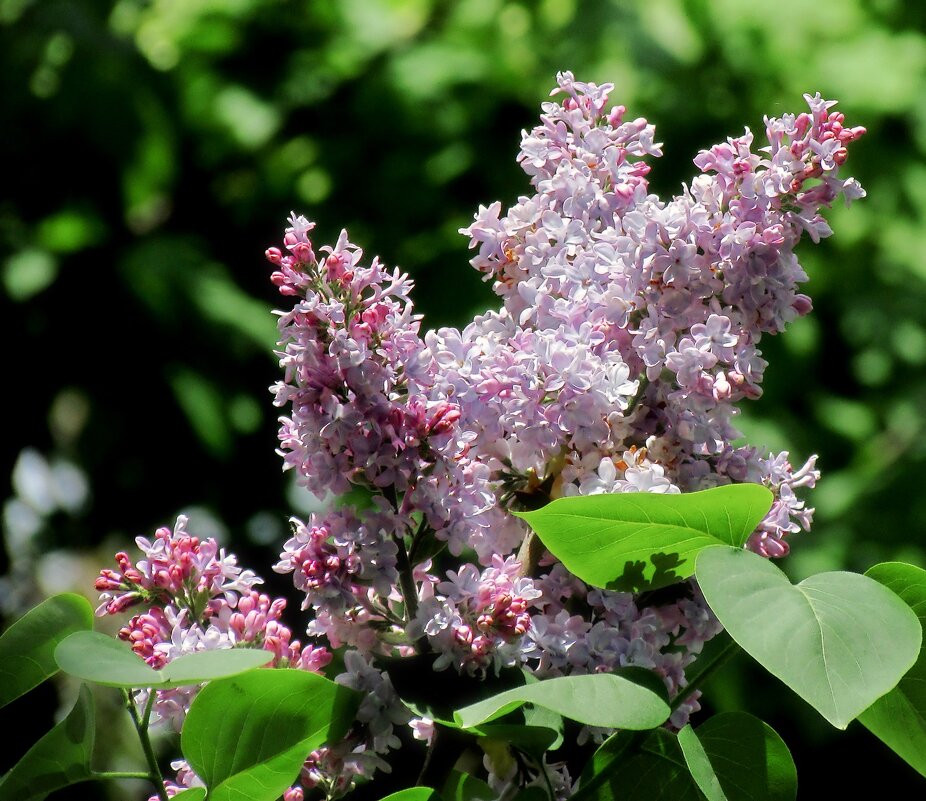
{"x": 151, "y": 149}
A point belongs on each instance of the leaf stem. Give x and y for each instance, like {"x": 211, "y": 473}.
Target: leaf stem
{"x": 406, "y": 580}
{"x": 141, "y": 726}
{"x": 723, "y": 654}
{"x": 123, "y": 774}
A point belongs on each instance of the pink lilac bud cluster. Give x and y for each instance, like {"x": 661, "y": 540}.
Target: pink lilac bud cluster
{"x": 629, "y": 330}
{"x": 196, "y": 598}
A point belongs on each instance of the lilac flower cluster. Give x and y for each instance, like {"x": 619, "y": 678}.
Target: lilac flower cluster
{"x": 629, "y": 330}
{"x": 196, "y": 598}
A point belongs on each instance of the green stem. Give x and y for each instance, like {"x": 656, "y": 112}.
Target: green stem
{"x": 123, "y": 774}
{"x": 723, "y": 654}
{"x": 406, "y": 580}
{"x": 141, "y": 726}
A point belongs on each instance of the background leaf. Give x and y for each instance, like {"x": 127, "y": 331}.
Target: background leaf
{"x": 635, "y": 541}
{"x": 839, "y": 640}
{"x": 27, "y": 648}
{"x": 597, "y": 700}
{"x": 899, "y": 718}
{"x": 251, "y": 732}
{"x": 60, "y": 758}
{"x": 638, "y": 767}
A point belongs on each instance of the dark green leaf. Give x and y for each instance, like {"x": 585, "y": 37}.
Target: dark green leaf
{"x": 59, "y": 759}
{"x": 251, "y": 733}
{"x": 639, "y": 541}
{"x": 597, "y": 700}
{"x": 732, "y": 756}
{"x": 839, "y": 640}
{"x": 463, "y": 787}
{"x": 899, "y": 718}
{"x": 533, "y": 740}
{"x": 638, "y": 767}
{"x": 27, "y": 648}
{"x": 750, "y": 759}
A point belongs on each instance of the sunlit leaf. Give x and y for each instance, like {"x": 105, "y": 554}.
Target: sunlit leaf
{"x": 27, "y": 648}
{"x": 596, "y": 700}
{"x": 639, "y": 540}
{"x": 248, "y": 736}
{"x": 839, "y": 640}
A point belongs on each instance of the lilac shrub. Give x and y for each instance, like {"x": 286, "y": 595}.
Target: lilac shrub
{"x": 628, "y": 332}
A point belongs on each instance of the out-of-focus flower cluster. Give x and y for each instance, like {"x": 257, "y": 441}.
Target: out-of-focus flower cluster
{"x": 628, "y": 332}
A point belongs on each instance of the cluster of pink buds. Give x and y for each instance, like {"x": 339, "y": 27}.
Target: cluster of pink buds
{"x": 198, "y": 598}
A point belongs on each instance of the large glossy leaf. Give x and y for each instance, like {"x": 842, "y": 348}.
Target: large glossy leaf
{"x": 596, "y": 700}
{"x": 899, "y": 718}
{"x": 247, "y": 736}
{"x": 839, "y": 640}
{"x": 96, "y": 657}
{"x": 27, "y": 648}
{"x": 193, "y": 794}
{"x": 637, "y": 541}
{"x": 731, "y": 757}
{"x": 60, "y": 758}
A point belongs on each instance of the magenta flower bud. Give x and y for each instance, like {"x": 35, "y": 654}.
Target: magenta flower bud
{"x": 303, "y": 253}
{"x": 123, "y": 602}
{"x": 444, "y": 419}
{"x": 273, "y": 255}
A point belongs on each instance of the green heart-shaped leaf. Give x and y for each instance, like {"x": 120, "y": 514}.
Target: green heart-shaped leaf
{"x": 27, "y": 648}
{"x": 839, "y": 640}
{"x": 59, "y": 759}
{"x": 637, "y": 541}
{"x": 597, "y": 700}
{"x": 101, "y": 659}
{"x": 247, "y": 737}
{"x": 899, "y": 718}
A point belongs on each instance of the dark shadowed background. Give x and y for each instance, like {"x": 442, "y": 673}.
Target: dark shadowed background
{"x": 151, "y": 150}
